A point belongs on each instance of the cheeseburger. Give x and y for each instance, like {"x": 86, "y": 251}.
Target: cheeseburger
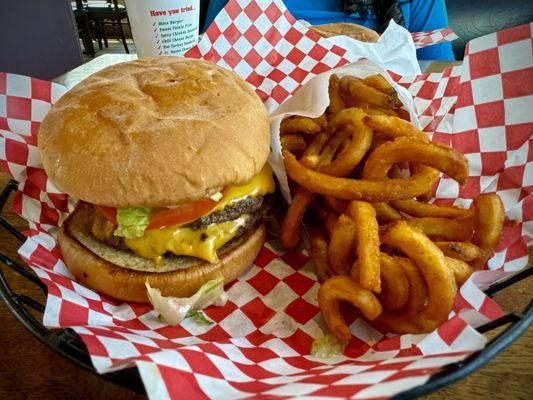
{"x": 168, "y": 157}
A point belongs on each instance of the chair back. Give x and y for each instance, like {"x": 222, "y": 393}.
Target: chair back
{"x": 100, "y": 5}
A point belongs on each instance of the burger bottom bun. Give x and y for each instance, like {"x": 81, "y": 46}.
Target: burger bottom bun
{"x": 129, "y": 285}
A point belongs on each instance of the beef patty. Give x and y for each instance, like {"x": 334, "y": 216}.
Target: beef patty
{"x": 248, "y": 205}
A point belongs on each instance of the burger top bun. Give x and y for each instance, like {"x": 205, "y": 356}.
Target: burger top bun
{"x": 358, "y": 32}
{"x": 155, "y": 132}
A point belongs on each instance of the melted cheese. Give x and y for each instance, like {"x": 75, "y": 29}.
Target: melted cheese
{"x": 259, "y": 185}
{"x": 202, "y": 243}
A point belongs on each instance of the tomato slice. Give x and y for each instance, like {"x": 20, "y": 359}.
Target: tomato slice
{"x": 180, "y": 214}
{"x": 168, "y": 216}
{"x": 108, "y": 212}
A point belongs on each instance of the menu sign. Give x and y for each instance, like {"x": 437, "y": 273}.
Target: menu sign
{"x": 164, "y": 27}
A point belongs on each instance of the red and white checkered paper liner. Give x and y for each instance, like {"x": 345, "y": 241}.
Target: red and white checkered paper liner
{"x": 260, "y": 343}
{"x": 427, "y": 38}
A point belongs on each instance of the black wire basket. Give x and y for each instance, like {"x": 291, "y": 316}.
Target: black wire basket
{"x": 65, "y": 341}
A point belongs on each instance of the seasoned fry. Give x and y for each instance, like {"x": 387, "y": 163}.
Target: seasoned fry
{"x": 442, "y": 228}
{"x": 386, "y": 214}
{"x": 343, "y": 288}
{"x": 461, "y": 270}
{"x": 293, "y": 143}
{"x": 332, "y": 147}
{"x": 438, "y": 276}
{"x": 290, "y": 229}
{"x": 417, "y": 285}
{"x": 394, "y": 127}
{"x": 319, "y": 251}
{"x": 353, "y": 189}
{"x": 345, "y": 119}
{"x": 299, "y": 124}
{"x": 341, "y": 245}
{"x": 463, "y": 251}
{"x": 379, "y": 82}
{"x": 367, "y": 245}
{"x": 394, "y": 284}
{"x": 311, "y": 155}
{"x": 336, "y": 103}
{"x": 418, "y": 209}
{"x": 345, "y": 144}
{"x": 361, "y": 138}
{"x": 373, "y": 110}
{"x": 490, "y": 217}
{"x": 356, "y": 89}
{"x": 438, "y": 156}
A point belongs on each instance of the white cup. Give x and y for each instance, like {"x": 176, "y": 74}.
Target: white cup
{"x": 163, "y": 27}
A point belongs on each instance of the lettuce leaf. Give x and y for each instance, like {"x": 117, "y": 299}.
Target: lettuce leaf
{"x": 132, "y": 222}
{"x": 327, "y": 346}
{"x": 209, "y": 293}
{"x": 199, "y": 317}
{"x": 173, "y": 310}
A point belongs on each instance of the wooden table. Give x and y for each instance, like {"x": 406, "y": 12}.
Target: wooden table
{"x": 31, "y": 370}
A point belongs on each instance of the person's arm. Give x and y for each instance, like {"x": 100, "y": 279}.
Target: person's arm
{"x": 215, "y": 6}
{"x": 426, "y": 15}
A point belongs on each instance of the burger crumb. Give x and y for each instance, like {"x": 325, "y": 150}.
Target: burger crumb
{"x": 203, "y": 237}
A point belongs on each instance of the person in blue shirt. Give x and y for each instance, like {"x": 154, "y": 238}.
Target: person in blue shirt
{"x": 415, "y": 15}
